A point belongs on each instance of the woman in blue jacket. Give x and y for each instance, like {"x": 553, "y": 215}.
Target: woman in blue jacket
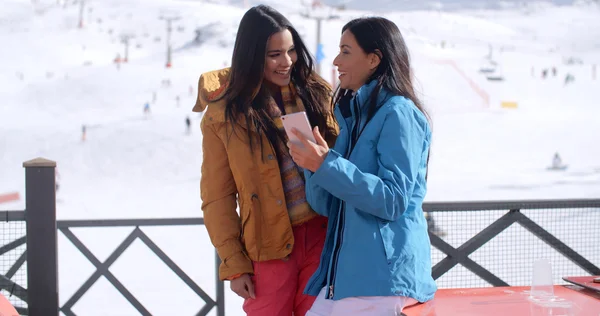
{"x": 372, "y": 183}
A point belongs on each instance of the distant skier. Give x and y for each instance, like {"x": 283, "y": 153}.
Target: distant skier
{"x": 544, "y": 73}
{"x": 554, "y": 71}
{"x": 177, "y": 99}
{"x": 118, "y": 61}
{"x": 557, "y": 163}
{"x": 147, "y": 108}
{"x": 188, "y": 124}
{"x": 153, "y": 97}
{"x": 569, "y": 78}
{"x": 83, "y": 132}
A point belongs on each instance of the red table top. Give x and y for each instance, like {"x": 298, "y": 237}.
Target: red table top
{"x": 6, "y": 309}
{"x": 492, "y": 301}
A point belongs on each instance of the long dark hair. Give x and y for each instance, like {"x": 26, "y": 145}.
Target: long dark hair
{"x": 246, "y": 94}
{"x": 382, "y": 37}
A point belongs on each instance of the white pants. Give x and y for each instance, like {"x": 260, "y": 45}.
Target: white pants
{"x": 360, "y": 306}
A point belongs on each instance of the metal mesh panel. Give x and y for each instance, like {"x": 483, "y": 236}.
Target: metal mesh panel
{"x": 508, "y": 242}
{"x": 13, "y": 266}
{"x": 148, "y": 245}
{"x": 456, "y": 229}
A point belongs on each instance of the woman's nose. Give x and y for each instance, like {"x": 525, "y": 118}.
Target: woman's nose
{"x": 336, "y": 61}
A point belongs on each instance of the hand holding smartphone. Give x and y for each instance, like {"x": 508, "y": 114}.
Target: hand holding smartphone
{"x": 299, "y": 121}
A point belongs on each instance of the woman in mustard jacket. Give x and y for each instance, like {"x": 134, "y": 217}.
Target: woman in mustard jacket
{"x": 273, "y": 246}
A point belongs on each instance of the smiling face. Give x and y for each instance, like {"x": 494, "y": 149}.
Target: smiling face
{"x": 354, "y": 65}
{"x": 280, "y": 59}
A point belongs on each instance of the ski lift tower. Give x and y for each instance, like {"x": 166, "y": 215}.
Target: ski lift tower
{"x": 81, "y": 8}
{"x": 169, "y": 19}
{"x": 318, "y": 12}
{"x": 125, "y": 37}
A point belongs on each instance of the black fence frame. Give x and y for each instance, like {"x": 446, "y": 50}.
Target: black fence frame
{"x": 42, "y": 228}
{"x": 102, "y": 268}
{"x": 460, "y": 255}
{"x": 6, "y": 283}
{"x": 41, "y": 251}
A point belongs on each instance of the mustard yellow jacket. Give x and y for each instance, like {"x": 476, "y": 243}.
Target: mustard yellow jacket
{"x": 233, "y": 176}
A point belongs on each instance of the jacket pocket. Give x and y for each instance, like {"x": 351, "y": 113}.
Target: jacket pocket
{"x": 397, "y": 244}
{"x": 392, "y": 248}
{"x": 245, "y": 210}
{"x": 250, "y": 234}
{"x": 384, "y": 234}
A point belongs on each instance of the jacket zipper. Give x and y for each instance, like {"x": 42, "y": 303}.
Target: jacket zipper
{"x": 336, "y": 250}
{"x": 340, "y": 224}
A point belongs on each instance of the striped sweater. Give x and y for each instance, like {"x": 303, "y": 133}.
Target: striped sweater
{"x": 292, "y": 176}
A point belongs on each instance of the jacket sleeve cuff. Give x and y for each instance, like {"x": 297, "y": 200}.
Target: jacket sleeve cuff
{"x": 324, "y": 170}
{"x": 233, "y": 277}
{"x": 236, "y": 264}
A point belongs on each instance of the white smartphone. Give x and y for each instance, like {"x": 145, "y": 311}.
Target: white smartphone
{"x": 299, "y": 121}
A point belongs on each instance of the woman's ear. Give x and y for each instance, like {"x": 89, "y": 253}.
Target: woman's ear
{"x": 375, "y": 59}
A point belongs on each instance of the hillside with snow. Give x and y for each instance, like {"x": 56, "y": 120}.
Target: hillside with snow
{"x": 56, "y": 77}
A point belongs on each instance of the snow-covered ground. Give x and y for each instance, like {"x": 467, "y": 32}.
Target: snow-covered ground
{"x": 56, "y": 77}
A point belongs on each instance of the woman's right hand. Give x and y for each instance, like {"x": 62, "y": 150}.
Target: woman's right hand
{"x": 243, "y": 286}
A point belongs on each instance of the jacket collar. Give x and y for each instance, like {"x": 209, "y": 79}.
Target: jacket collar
{"x": 211, "y": 87}
{"x": 362, "y": 96}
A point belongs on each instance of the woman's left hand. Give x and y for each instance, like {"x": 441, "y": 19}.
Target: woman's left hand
{"x": 309, "y": 155}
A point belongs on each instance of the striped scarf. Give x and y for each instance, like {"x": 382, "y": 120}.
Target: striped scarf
{"x": 292, "y": 176}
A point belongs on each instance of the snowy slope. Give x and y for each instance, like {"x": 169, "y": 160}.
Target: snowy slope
{"x": 446, "y": 5}
{"x": 55, "y": 77}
